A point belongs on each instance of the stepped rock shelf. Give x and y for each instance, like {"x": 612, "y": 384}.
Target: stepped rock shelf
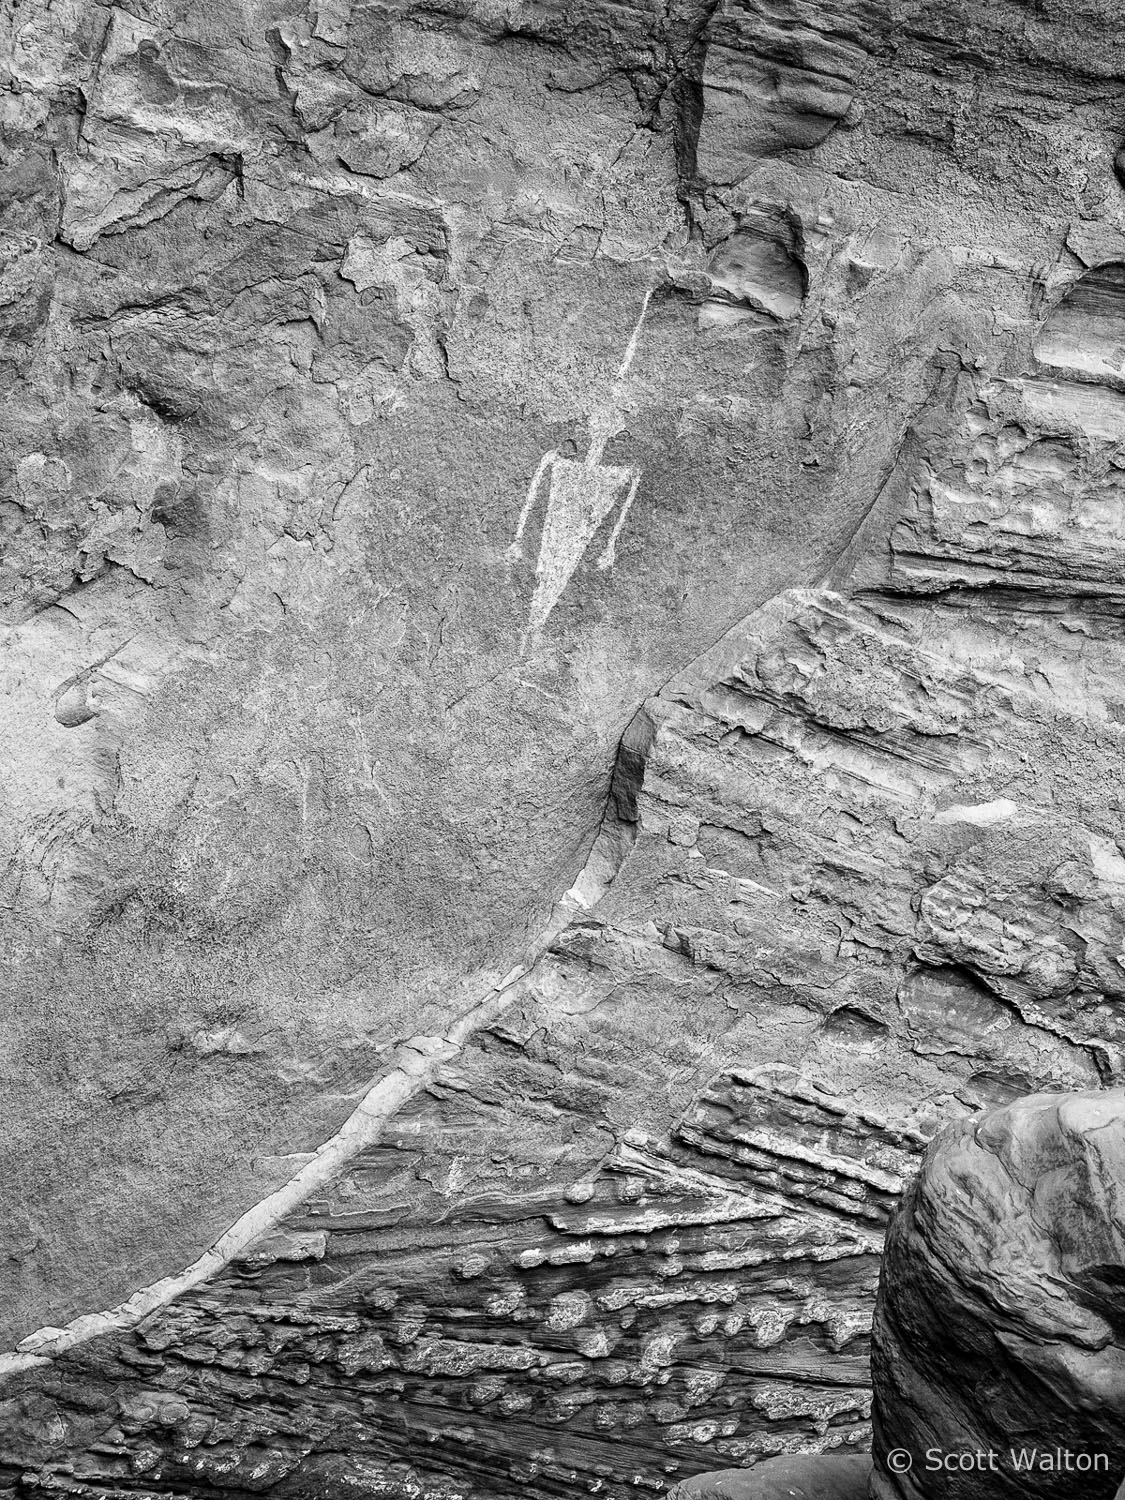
{"x": 563, "y": 701}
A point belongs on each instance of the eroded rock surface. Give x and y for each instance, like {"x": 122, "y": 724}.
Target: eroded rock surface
{"x": 820, "y": 1477}
{"x": 305, "y": 304}
{"x": 999, "y": 1329}
{"x": 788, "y": 335}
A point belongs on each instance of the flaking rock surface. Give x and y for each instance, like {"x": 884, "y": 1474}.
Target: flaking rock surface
{"x": 439, "y": 437}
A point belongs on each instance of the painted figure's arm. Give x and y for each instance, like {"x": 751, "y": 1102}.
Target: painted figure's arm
{"x": 515, "y": 550}
{"x": 607, "y": 557}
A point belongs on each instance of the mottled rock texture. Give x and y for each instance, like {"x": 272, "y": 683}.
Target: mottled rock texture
{"x": 999, "y": 1329}
{"x": 793, "y": 337}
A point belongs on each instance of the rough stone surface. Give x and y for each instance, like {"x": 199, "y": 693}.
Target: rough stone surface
{"x": 462, "y": 454}
{"x": 823, "y": 1477}
{"x": 999, "y": 1329}
{"x": 299, "y": 298}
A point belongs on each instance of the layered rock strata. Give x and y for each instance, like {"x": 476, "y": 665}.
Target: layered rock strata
{"x": 309, "y": 314}
{"x": 854, "y": 907}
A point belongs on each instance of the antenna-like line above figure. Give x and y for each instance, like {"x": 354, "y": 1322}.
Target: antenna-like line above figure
{"x": 580, "y": 494}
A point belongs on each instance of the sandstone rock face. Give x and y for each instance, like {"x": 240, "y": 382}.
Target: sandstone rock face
{"x": 999, "y": 1330}
{"x": 378, "y": 439}
{"x": 563, "y": 712}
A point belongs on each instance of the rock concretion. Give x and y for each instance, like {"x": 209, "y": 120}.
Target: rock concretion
{"x": 999, "y": 1353}
{"x": 822, "y": 1476}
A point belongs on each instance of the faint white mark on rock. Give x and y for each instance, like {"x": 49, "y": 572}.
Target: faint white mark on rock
{"x": 580, "y": 495}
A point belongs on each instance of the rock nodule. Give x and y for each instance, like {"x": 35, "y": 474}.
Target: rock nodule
{"x": 802, "y": 1476}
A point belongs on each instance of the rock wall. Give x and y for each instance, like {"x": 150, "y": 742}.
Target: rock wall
{"x": 563, "y": 704}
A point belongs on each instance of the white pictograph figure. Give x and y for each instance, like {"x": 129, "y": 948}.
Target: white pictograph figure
{"x": 580, "y": 494}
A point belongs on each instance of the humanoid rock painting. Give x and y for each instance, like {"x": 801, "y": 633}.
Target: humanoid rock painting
{"x": 580, "y": 495}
